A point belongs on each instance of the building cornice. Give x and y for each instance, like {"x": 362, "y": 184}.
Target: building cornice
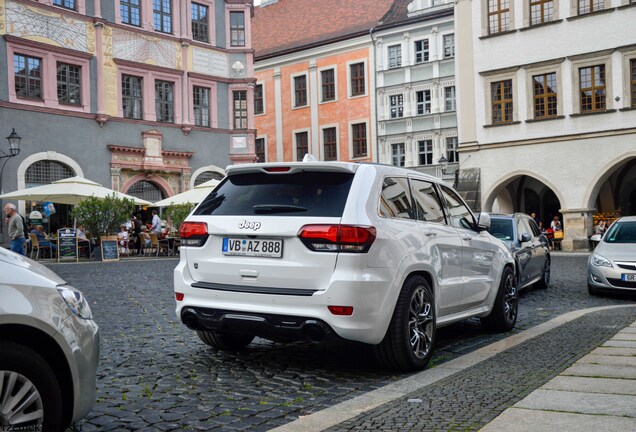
{"x": 48, "y": 47}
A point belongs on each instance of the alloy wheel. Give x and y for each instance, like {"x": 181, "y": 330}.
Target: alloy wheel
{"x": 421, "y": 322}
{"x": 510, "y": 298}
{"x": 20, "y": 402}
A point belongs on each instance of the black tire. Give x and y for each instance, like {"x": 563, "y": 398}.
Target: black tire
{"x": 24, "y": 369}
{"x": 503, "y": 316}
{"x": 410, "y": 338}
{"x": 544, "y": 282}
{"x": 225, "y": 341}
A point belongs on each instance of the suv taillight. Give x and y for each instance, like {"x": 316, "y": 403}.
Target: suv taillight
{"x": 193, "y": 233}
{"x": 337, "y": 238}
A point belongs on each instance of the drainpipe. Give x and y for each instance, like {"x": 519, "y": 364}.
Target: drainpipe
{"x": 375, "y": 93}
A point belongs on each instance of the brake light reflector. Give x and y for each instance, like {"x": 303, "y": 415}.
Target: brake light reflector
{"x": 341, "y": 310}
{"x": 193, "y": 233}
{"x": 337, "y": 238}
{"x": 277, "y": 169}
{"x": 178, "y": 296}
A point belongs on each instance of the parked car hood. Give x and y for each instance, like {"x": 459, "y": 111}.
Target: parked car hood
{"x": 617, "y": 251}
{"x": 14, "y": 259}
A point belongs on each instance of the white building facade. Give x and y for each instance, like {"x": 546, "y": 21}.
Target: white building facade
{"x": 547, "y": 108}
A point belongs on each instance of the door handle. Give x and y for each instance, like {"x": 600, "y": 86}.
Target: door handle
{"x": 430, "y": 233}
{"x": 467, "y": 238}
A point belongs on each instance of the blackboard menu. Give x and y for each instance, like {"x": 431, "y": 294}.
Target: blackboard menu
{"x": 67, "y": 244}
{"x": 110, "y": 251}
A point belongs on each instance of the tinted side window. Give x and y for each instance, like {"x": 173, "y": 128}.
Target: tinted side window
{"x": 395, "y": 200}
{"x": 300, "y": 194}
{"x": 459, "y": 215}
{"x": 427, "y": 201}
{"x": 533, "y": 226}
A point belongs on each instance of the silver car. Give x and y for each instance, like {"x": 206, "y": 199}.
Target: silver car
{"x": 49, "y": 348}
{"x": 612, "y": 265}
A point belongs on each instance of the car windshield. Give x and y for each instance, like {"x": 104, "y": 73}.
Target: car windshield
{"x": 621, "y": 232}
{"x": 303, "y": 194}
{"x": 501, "y": 229}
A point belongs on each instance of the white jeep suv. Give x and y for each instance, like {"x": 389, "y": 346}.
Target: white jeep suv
{"x": 364, "y": 252}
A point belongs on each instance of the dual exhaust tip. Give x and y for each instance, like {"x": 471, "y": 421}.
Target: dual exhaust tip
{"x": 311, "y": 330}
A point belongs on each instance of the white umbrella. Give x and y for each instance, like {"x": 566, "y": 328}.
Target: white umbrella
{"x": 193, "y": 196}
{"x": 72, "y": 190}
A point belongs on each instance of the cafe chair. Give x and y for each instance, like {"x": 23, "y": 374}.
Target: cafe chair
{"x": 154, "y": 244}
{"x": 35, "y": 246}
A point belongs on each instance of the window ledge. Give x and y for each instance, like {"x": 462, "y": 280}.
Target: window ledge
{"x": 604, "y": 11}
{"x": 626, "y": 6}
{"x": 559, "y": 117}
{"x": 502, "y": 124}
{"x": 506, "y": 32}
{"x": 545, "y": 24}
{"x": 628, "y": 109}
{"x": 592, "y": 113}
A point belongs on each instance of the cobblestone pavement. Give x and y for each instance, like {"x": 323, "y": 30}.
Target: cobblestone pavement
{"x": 155, "y": 375}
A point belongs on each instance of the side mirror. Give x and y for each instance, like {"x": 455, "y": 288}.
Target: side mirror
{"x": 483, "y": 221}
{"x": 525, "y": 237}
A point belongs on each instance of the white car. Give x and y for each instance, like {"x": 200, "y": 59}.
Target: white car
{"x": 49, "y": 348}
{"x": 364, "y": 252}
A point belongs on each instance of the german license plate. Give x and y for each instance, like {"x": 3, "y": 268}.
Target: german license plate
{"x": 266, "y": 248}
{"x": 628, "y": 277}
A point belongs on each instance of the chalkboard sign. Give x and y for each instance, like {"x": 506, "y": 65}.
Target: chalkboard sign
{"x": 110, "y": 251}
{"x": 67, "y": 244}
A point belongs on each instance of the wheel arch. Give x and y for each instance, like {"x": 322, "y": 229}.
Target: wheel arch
{"x": 42, "y": 343}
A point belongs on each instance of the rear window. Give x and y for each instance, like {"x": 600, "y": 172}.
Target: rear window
{"x": 501, "y": 229}
{"x": 300, "y": 194}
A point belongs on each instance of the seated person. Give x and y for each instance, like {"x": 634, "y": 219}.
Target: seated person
{"x": 83, "y": 241}
{"x": 146, "y": 235}
{"x": 122, "y": 240}
{"x": 43, "y": 238}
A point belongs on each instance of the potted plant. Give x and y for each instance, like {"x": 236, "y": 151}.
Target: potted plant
{"x": 178, "y": 213}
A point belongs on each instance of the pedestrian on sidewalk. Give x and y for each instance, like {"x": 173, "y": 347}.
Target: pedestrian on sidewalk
{"x": 15, "y": 229}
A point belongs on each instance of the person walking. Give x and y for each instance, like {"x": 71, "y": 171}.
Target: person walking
{"x": 16, "y": 228}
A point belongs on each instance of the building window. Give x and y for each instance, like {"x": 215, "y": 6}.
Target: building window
{"x": 259, "y": 106}
{"x": 545, "y": 95}
{"x": 633, "y": 81}
{"x": 164, "y": 101}
{"x": 206, "y": 176}
{"x": 237, "y": 29}
{"x": 449, "y": 46}
{"x": 201, "y": 106}
{"x": 259, "y": 149}
{"x": 450, "y": 99}
{"x": 589, "y": 6}
{"x": 397, "y": 106}
{"x": 132, "y": 96}
{"x": 423, "y": 102}
{"x": 498, "y": 16}
{"x": 162, "y": 15}
{"x": 28, "y": 76}
{"x": 199, "y": 22}
{"x": 130, "y": 11}
{"x": 357, "y": 79}
{"x": 240, "y": 109}
{"x": 146, "y": 190}
{"x": 541, "y": 11}
{"x": 501, "y": 97}
{"x": 395, "y": 56}
{"x": 359, "y": 134}
{"x": 426, "y": 152}
{"x": 67, "y": 4}
{"x": 302, "y": 145}
{"x": 330, "y": 144}
{"x": 398, "y": 156}
{"x": 69, "y": 78}
{"x": 451, "y": 149}
{"x": 592, "y": 87}
{"x": 328, "y": 83}
{"x": 300, "y": 91}
{"x": 421, "y": 51}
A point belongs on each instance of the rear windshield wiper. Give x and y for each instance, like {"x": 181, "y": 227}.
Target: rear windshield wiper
{"x": 277, "y": 208}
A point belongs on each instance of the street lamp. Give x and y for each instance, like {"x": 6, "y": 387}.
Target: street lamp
{"x": 444, "y": 163}
{"x": 14, "y": 150}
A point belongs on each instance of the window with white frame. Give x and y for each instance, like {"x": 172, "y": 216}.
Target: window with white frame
{"x": 200, "y": 22}
{"x": 330, "y": 143}
{"x": 423, "y": 102}
{"x": 259, "y": 105}
{"x": 358, "y": 86}
{"x": 359, "y": 139}
{"x": 396, "y": 103}
{"x": 300, "y": 91}
{"x": 450, "y": 99}
{"x": 421, "y": 51}
{"x": 395, "y": 56}
{"x": 425, "y": 152}
{"x": 259, "y": 149}
{"x": 201, "y": 106}
{"x": 130, "y": 12}
{"x": 328, "y": 85}
{"x": 69, "y": 84}
{"x": 451, "y": 149}
{"x": 162, "y": 15}
{"x": 398, "y": 155}
{"x": 501, "y": 101}
{"x": 240, "y": 109}
{"x": 27, "y": 72}
{"x": 449, "y": 45}
{"x": 592, "y": 87}
{"x": 302, "y": 145}
{"x": 545, "y": 95}
{"x": 541, "y": 11}
{"x": 590, "y": 6}
{"x": 498, "y": 16}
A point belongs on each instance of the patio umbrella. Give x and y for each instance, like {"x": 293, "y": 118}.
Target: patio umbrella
{"x": 72, "y": 190}
{"x": 193, "y": 196}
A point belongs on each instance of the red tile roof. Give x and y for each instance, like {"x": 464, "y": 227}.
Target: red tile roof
{"x": 289, "y": 25}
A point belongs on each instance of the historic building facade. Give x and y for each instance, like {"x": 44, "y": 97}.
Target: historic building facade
{"x": 146, "y": 97}
{"x": 547, "y": 108}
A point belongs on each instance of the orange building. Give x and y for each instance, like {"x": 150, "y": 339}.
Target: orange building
{"x": 314, "y": 65}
